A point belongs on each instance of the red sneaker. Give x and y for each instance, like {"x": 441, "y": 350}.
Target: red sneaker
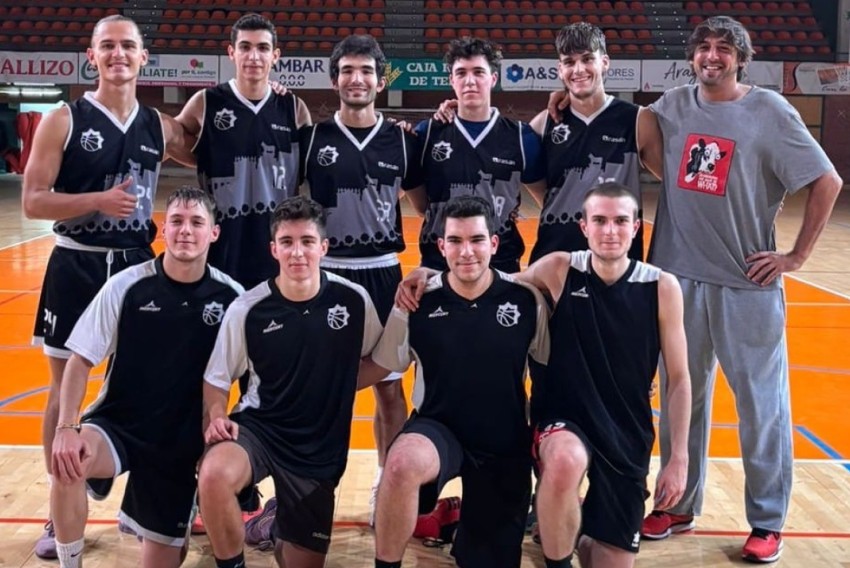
{"x": 762, "y": 546}
{"x": 198, "y": 524}
{"x": 659, "y": 525}
{"x": 446, "y": 512}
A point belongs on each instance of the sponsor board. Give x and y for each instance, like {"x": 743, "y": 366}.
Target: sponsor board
{"x": 811, "y": 78}
{"x": 542, "y": 75}
{"x": 658, "y": 76}
{"x": 38, "y": 67}
{"x": 165, "y": 70}
{"x": 418, "y": 75}
{"x": 291, "y": 72}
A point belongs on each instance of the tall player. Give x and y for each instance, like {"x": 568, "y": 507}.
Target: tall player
{"x": 356, "y": 165}
{"x": 147, "y": 418}
{"x": 247, "y": 157}
{"x": 483, "y": 153}
{"x": 597, "y": 140}
{"x": 247, "y": 150}
{"x": 94, "y": 169}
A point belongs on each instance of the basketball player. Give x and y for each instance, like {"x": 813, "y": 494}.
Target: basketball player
{"x": 147, "y": 418}
{"x": 482, "y": 153}
{"x": 470, "y": 337}
{"x": 247, "y": 149}
{"x": 592, "y": 409}
{"x": 94, "y": 169}
{"x": 294, "y": 422}
{"x": 731, "y": 154}
{"x": 356, "y": 165}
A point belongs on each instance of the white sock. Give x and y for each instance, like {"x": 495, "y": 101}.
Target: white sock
{"x": 378, "y": 473}
{"x": 70, "y": 554}
{"x": 49, "y": 481}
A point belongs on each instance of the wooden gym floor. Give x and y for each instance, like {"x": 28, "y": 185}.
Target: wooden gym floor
{"x": 818, "y": 528}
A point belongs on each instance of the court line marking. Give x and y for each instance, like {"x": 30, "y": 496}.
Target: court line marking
{"x": 29, "y": 240}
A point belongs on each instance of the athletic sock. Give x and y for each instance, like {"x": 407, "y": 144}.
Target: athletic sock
{"x": 237, "y": 561}
{"x": 562, "y": 563}
{"x": 382, "y": 564}
{"x": 70, "y": 554}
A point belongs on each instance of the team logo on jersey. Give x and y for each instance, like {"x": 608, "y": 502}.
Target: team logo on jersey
{"x": 212, "y": 314}
{"x": 507, "y": 314}
{"x": 327, "y": 156}
{"x": 560, "y": 134}
{"x": 441, "y": 151}
{"x": 273, "y": 326}
{"x": 224, "y": 119}
{"x": 636, "y": 540}
{"x": 338, "y": 317}
{"x": 91, "y": 140}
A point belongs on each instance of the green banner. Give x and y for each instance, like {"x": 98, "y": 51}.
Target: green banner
{"x": 417, "y": 75}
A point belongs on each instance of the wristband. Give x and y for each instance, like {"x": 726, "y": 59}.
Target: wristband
{"x": 69, "y": 426}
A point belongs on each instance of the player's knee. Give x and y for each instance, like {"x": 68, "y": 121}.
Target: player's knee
{"x": 564, "y": 462}
{"x": 218, "y": 476}
{"x": 407, "y": 465}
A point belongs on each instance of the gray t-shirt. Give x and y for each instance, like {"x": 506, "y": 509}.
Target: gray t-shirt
{"x": 727, "y": 168}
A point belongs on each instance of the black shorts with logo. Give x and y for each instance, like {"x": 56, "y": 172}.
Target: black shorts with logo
{"x": 72, "y": 279}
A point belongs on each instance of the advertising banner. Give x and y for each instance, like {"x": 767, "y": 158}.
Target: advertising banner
{"x": 658, "y": 76}
{"x": 542, "y": 75}
{"x": 165, "y": 70}
{"x": 291, "y": 72}
{"x": 817, "y": 78}
{"x": 417, "y": 75}
{"x": 38, "y": 67}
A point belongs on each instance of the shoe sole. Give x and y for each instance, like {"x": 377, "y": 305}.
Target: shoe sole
{"x": 770, "y": 559}
{"x": 674, "y": 529}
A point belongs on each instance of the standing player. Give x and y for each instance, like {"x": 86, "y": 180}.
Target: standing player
{"x": 731, "y": 154}
{"x": 613, "y": 317}
{"x": 147, "y": 418}
{"x": 247, "y": 149}
{"x": 94, "y": 169}
{"x": 482, "y": 153}
{"x": 356, "y": 165}
{"x": 300, "y": 337}
{"x": 470, "y": 337}
{"x": 596, "y": 140}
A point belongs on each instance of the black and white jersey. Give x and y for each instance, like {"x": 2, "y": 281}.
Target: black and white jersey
{"x": 470, "y": 359}
{"x": 247, "y": 156}
{"x": 582, "y": 152}
{"x": 489, "y": 165}
{"x": 101, "y": 152}
{"x": 605, "y": 349}
{"x": 158, "y": 334}
{"x": 302, "y": 359}
{"x": 356, "y": 175}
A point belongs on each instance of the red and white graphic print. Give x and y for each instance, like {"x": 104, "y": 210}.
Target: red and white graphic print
{"x": 705, "y": 164}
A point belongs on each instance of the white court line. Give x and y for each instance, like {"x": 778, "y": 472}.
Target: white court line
{"x": 48, "y": 234}
{"x": 818, "y": 286}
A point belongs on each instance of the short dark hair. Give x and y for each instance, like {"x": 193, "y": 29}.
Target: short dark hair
{"x": 250, "y": 22}
{"x": 466, "y": 206}
{"x": 188, "y": 194}
{"x": 613, "y": 190}
{"x": 299, "y": 208}
{"x": 355, "y": 45}
{"x": 727, "y": 28}
{"x": 117, "y": 18}
{"x": 580, "y": 37}
{"x": 467, "y": 47}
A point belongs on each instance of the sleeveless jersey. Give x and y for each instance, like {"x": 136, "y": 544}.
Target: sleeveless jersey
{"x": 358, "y": 184}
{"x": 248, "y": 161}
{"x": 490, "y": 166}
{"x": 605, "y": 349}
{"x": 100, "y": 153}
{"x": 580, "y": 154}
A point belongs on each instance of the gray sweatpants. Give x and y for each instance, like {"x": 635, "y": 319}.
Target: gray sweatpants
{"x": 745, "y": 331}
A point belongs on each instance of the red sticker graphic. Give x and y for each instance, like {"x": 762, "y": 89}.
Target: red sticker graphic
{"x": 705, "y": 164}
